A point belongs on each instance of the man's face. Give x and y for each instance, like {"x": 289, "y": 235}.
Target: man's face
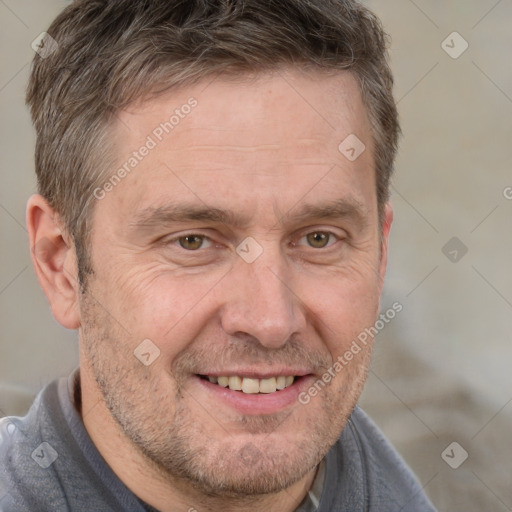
{"x": 244, "y": 244}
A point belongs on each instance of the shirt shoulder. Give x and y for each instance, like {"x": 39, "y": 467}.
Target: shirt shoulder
{"x": 22, "y": 451}
{"x": 365, "y": 473}
{"x": 48, "y": 462}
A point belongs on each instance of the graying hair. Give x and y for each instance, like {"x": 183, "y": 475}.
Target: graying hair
{"x": 113, "y": 52}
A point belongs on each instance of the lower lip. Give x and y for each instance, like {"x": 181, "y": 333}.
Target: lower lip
{"x": 257, "y": 403}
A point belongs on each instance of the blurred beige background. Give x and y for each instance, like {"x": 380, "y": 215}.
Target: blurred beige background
{"x": 441, "y": 368}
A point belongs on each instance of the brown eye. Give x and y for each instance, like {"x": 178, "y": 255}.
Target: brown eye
{"x": 318, "y": 239}
{"x": 191, "y": 242}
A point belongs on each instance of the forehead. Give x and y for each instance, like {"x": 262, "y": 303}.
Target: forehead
{"x": 248, "y": 143}
{"x": 323, "y": 102}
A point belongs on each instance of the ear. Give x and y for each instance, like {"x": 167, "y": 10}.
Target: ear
{"x": 54, "y": 260}
{"x": 387, "y": 220}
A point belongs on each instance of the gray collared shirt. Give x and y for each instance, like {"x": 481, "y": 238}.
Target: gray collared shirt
{"x": 48, "y": 463}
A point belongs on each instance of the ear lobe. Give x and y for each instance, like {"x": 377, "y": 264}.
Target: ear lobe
{"x": 54, "y": 260}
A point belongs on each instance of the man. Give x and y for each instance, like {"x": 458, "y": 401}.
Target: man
{"x": 213, "y": 218}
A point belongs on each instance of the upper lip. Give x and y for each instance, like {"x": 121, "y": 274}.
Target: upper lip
{"x": 256, "y": 374}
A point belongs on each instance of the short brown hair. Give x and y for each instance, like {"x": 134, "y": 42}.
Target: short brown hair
{"x": 110, "y": 53}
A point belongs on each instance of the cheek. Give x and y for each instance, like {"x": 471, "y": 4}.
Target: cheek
{"x": 341, "y": 305}
{"x": 169, "y": 307}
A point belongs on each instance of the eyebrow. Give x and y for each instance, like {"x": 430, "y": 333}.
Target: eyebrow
{"x": 155, "y": 217}
{"x": 151, "y": 217}
{"x": 346, "y": 208}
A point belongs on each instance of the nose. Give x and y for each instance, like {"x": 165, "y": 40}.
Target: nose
{"x": 261, "y": 304}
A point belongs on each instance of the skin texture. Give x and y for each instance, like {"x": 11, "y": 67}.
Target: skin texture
{"x": 265, "y": 149}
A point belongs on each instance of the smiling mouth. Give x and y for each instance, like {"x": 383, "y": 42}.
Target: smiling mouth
{"x": 250, "y": 385}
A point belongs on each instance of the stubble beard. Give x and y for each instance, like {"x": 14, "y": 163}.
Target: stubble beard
{"x": 160, "y": 426}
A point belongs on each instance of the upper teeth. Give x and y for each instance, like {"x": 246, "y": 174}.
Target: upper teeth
{"x": 248, "y": 385}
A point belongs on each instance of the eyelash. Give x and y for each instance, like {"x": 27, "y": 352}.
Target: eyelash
{"x": 328, "y": 233}
{"x": 205, "y": 238}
